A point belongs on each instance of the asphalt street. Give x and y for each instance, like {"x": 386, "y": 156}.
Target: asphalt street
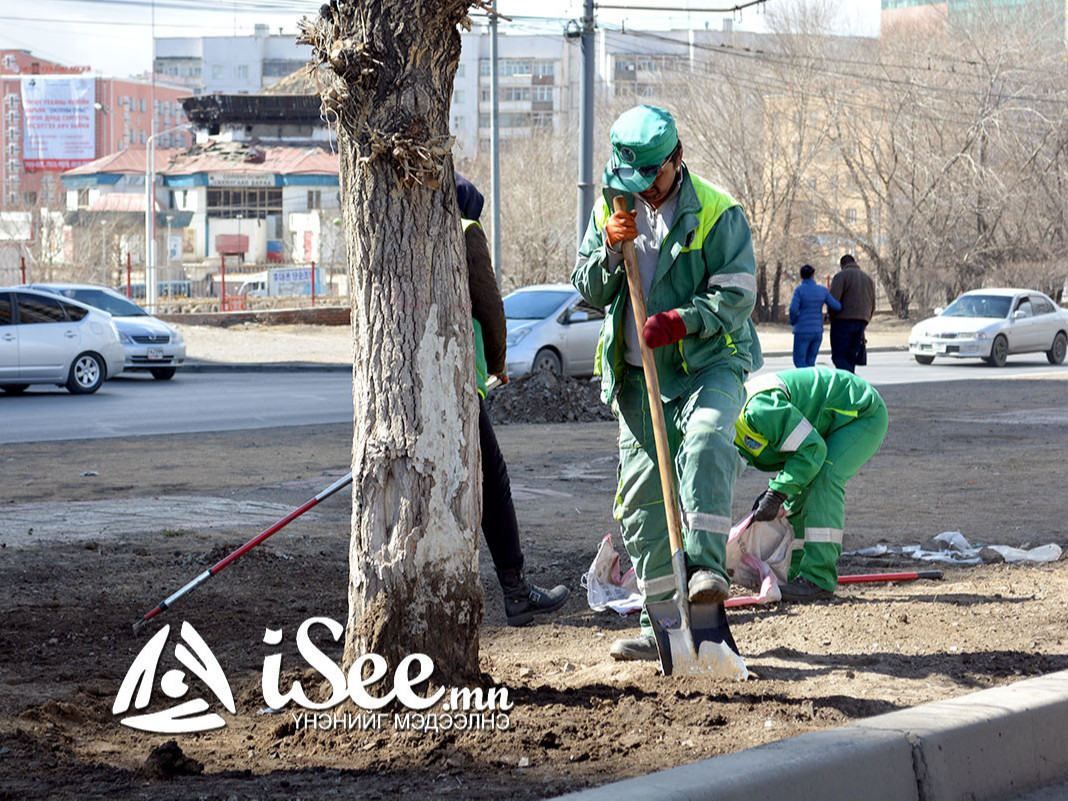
{"x": 222, "y": 401}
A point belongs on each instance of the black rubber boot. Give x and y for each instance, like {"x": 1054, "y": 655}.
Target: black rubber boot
{"x": 801, "y": 590}
{"x": 523, "y": 600}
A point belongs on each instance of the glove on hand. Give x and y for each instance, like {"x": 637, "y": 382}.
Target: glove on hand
{"x": 663, "y": 329}
{"x": 620, "y": 227}
{"x": 767, "y": 505}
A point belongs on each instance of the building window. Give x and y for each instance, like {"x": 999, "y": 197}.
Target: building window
{"x": 216, "y": 71}
{"x": 516, "y": 93}
{"x": 249, "y": 202}
{"x": 458, "y": 122}
{"x": 542, "y": 93}
{"x": 514, "y": 67}
{"x": 483, "y": 66}
{"x": 29, "y": 198}
{"x": 541, "y": 119}
{"x": 141, "y": 105}
{"x": 458, "y": 96}
{"x": 484, "y": 95}
{"x": 461, "y": 70}
{"x": 241, "y": 72}
{"x": 851, "y": 216}
{"x": 83, "y": 199}
{"x": 544, "y": 67}
{"x": 315, "y": 199}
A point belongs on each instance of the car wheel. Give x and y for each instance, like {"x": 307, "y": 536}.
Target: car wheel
{"x": 163, "y": 373}
{"x": 86, "y": 374}
{"x": 546, "y": 360}
{"x": 924, "y": 359}
{"x": 1055, "y": 354}
{"x": 999, "y": 352}
{"x": 15, "y": 389}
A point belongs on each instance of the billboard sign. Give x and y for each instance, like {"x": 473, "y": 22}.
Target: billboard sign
{"x": 60, "y": 122}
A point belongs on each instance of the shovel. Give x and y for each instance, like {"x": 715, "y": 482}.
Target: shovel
{"x": 691, "y": 640}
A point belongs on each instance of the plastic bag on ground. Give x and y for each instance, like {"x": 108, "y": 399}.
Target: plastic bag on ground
{"x": 605, "y": 587}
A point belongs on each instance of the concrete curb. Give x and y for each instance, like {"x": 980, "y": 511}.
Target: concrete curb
{"x": 195, "y": 366}
{"x": 264, "y": 367}
{"x": 986, "y": 746}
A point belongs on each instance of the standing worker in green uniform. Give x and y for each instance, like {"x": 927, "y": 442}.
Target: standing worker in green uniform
{"x": 694, "y": 252}
{"x": 816, "y": 427}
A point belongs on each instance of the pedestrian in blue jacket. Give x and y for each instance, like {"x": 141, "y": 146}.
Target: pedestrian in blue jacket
{"x": 806, "y": 316}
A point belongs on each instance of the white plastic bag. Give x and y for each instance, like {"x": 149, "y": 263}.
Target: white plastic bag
{"x": 605, "y": 587}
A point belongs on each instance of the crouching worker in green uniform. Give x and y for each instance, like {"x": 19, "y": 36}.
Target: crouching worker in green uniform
{"x": 816, "y": 427}
{"x": 694, "y": 253}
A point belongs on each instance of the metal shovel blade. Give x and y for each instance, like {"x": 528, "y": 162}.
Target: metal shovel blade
{"x": 705, "y": 648}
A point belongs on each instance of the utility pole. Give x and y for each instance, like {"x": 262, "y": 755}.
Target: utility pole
{"x": 585, "y": 184}
{"x": 495, "y": 148}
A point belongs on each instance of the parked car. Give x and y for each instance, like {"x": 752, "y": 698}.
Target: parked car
{"x": 50, "y": 340}
{"x": 551, "y": 327}
{"x": 150, "y": 343}
{"x": 990, "y": 324}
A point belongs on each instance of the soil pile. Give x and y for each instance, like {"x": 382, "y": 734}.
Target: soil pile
{"x": 548, "y": 398}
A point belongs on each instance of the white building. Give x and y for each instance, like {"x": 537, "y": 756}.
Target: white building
{"x": 229, "y": 64}
{"x": 540, "y": 76}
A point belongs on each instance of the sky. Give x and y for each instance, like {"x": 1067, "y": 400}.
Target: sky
{"x": 114, "y": 37}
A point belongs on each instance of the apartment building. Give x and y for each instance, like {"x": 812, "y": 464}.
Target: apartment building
{"x": 229, "y": 64}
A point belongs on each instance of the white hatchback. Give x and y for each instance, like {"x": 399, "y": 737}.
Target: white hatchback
{"x": 50, "y": 340}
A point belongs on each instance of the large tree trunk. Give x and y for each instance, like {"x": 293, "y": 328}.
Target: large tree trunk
{"x": 413, "y": 578}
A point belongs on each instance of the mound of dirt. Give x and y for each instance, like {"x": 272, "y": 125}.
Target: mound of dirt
{"x": 548, "y": 398}
{"x": 167, "y": 760}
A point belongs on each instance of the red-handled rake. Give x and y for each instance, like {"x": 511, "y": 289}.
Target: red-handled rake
{"x": 248, "y": 546}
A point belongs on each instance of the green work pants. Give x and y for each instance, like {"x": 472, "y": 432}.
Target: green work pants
{"x": 817, "y": 514}
{"x": 700, "y": 432}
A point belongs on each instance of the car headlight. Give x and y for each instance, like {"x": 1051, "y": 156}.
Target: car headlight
{"x": 176, "y": 336}
{"x": 124, "y": 338}
{"x": 515, "y": 337}
{"x": 980, "y": 335}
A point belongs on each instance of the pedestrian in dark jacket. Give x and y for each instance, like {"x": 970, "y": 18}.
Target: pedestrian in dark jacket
{"x": 806, "y": 316}
{"x": 855, "y": 290}
{"x": 522, "y": 600}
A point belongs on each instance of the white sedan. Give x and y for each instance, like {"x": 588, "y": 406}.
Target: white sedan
{"x": 990, "y": 324}
{"x": 50, "y": 340}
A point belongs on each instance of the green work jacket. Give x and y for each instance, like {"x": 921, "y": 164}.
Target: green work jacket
{"x": 481, "y": 366}
{"x": 787, "y": 417}
{"x": 706, "y": 273}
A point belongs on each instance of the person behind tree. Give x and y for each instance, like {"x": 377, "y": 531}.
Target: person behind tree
{"x": 522, "y": 600}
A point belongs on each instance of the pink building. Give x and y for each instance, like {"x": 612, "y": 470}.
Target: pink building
{"x": 122, "y": 118}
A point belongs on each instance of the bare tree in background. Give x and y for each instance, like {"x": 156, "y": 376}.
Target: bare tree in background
{"x": 413, "y": 582}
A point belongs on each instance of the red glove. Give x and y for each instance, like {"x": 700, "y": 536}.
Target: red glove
{"x": 620, "y": 227}
{"x": 663, "y": 329}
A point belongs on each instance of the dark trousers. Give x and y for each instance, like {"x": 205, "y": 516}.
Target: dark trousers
{"x": 806, "y": 346}
{"x": 499, "y": 525}
{"x": 847, "y": 343}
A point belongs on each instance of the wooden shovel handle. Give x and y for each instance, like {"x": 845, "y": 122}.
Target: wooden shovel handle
{"x": 652, "y": 384}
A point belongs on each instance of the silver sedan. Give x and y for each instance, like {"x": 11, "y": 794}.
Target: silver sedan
{"x": 990, "y": 324}
{"x": 550, "y": 327}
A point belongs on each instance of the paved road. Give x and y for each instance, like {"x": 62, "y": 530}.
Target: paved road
{"x": 897, "y": 367}
{"x": 191, "y": 402}
{"x": 220, "y": 401}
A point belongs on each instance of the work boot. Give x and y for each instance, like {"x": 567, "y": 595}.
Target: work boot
{"x": 708, "y": 587}
{"x": 801, "y": 589}
{"x": 523, "y": 600}
{"x": 636, "y": 649}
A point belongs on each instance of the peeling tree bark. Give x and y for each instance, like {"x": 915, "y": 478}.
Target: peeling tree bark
{"x": 413, "y": 552}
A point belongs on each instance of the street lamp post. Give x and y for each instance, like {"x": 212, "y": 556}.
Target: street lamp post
{"x": 169, "y": 218}
{"x": 151, "y": 295}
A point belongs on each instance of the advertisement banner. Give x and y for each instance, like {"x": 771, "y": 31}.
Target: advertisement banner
{"x": 60, "y": 122}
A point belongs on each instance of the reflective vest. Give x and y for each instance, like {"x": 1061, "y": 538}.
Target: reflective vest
{"x": 481, "y": 366}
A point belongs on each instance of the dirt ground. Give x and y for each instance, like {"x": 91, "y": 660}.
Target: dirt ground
{"x": 985, "y": 458}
